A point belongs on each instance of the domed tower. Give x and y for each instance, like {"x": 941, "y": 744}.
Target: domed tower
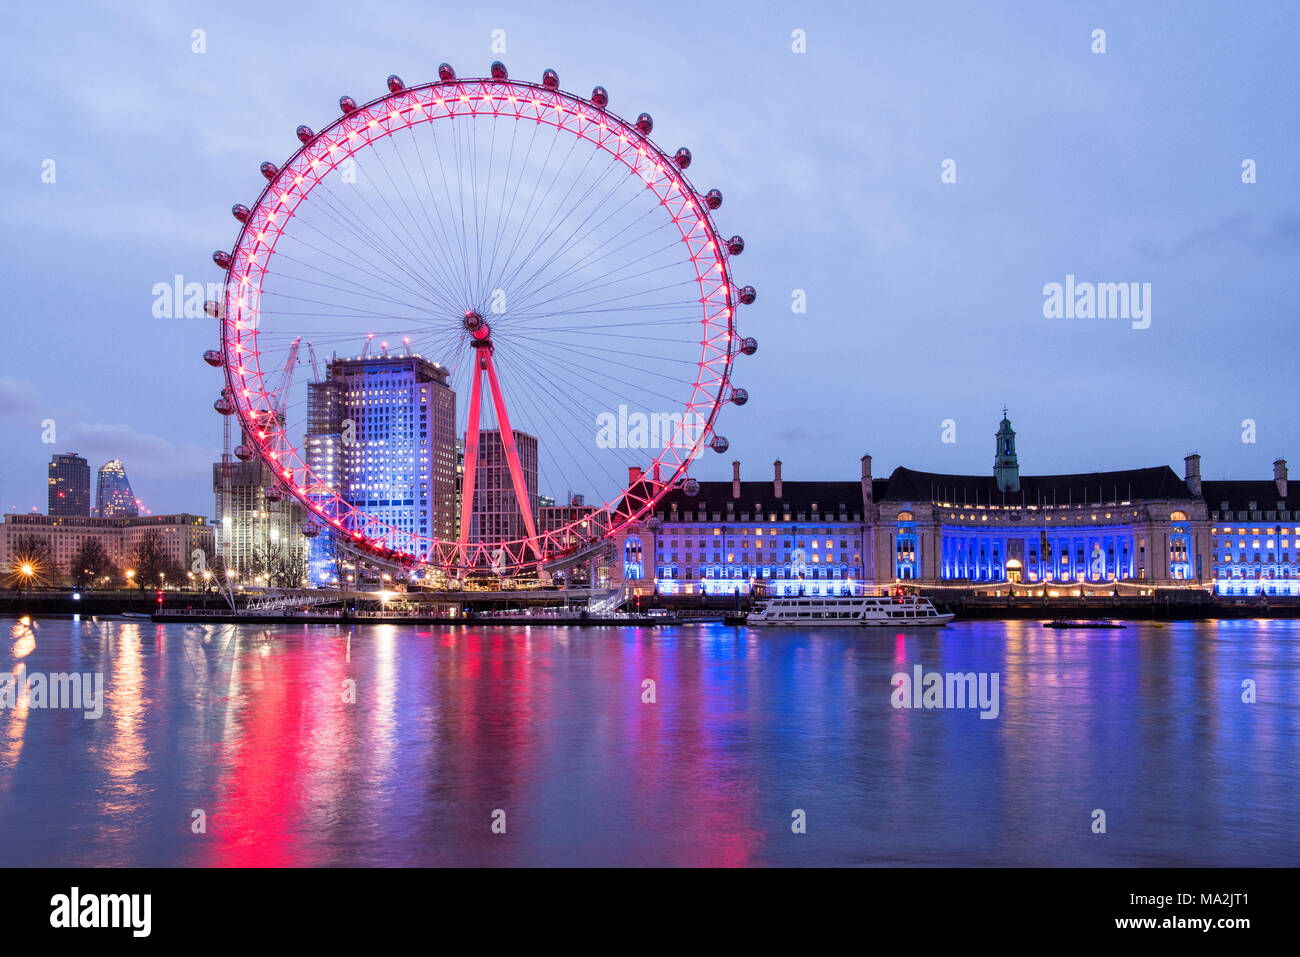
{"x": 1006, "y": 467}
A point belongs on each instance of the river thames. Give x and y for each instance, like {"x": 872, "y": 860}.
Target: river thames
{"x": 241, "y": 745}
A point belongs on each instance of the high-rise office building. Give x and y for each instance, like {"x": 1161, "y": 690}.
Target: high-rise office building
{"x": 113, "y": 495}
{"x": 381, "y": 433}
{"x": 495, "y": 514}
{"x": 69, "y": 485}
{"x": 258, "y": 535}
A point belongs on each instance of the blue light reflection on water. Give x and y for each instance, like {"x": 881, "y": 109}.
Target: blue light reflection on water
{"x": 249, "y": 725}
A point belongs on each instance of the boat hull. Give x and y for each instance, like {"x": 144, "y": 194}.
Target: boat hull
{"x": 935, "y": 622}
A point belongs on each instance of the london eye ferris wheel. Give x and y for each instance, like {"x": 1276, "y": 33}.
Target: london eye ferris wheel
{"x": 523, "y": 250}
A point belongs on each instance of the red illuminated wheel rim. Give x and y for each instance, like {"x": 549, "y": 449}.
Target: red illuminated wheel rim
{"x": 555, "y": 264}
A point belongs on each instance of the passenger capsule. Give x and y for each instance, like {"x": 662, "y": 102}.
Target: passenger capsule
{"x": 499, "y": 71}
{"x": 305, "y": 134}
{"x": 645, "y": 124}
{"x": 691, "y": 487}
{"x": 600, "y": 97}
{"x": 224, "y": 405}
{"x": 739, "y": 396}
{"x": 269, "y": 170}
{"x": 550, "y": 79}
{"x": 273, "y": 493}
{"x": 244, "y": 452}
{"x": 212, "y": 357}
{"x": 310, "y": 529}
{"x": 683, "y": 158}
{"x": 713, "y": 198}
{"x": 735, "y": 245}
{"x": 212, "y": 308}
{"x": 241, "y": 212}
{"x": 747, "y": 295}
{"x": 719, "y": 444}
{"x": 395, "y": 84}
{"x": 445, "y": 72}
{"x": 749, "y": 345}
{"x": 347, "y": 105}
{"x": 222, "y": 258}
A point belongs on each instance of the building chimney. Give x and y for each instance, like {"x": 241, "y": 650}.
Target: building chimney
{"x": 1192, "y": 473}
{"x": 735, "y": 480}
{"x": 634, "y": 474}
{"x": 776, "y": 479}
{"x": 1279, "y": 476}
{"x": 866, "y": 481}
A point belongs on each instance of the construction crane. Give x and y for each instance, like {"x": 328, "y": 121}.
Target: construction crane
{"x": 286, "y": 382}
{"x": 315, "y": 368}
{"x": 370, "y": 337}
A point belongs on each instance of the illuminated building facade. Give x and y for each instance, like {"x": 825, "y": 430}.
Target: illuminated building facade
{"x": 180, "y": 535}
{"x": 793, "y": 537}
{"x": 1119, "y": 531}
{"x": 257, "y": 533}
{"x": 1255, "y": 535}
{"x": 69, "y": 486}
{"x": 113, "y": 495}
{"x": 495, "y": 515}
{"x": 381, "y": 432}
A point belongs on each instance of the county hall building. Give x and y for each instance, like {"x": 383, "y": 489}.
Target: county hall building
{"x": 1120, "y": 531}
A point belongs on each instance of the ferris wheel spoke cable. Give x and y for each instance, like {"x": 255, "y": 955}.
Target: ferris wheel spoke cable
{"x": 676, "y": 321}
{"x": 504, "y": 207}
{"x": 428, "y": 262}
{"x": 428, "y": 259}
{"x": 348, "y": 219}
{"x": 508, "y": 280}
{"x": 613, "y": 277}
{"x": 574, "y": 239}
{"x": 595, "y": 352}
{"x": 534, "y": 195}
{"x": 542, "y": 387}
{"x": 630, "y": 311}
{"x": 581, "y": 371}
{"x": 507, "y": 275}
{"x": 516, "y": 383}
{"x": 446, "y": 188}
{"x": 628, "y": 295}
{"x": 467, "y": 244}
{"x": 321, "y": 284}
{"x": 444, "y": 253}
{"x": 346, "y": 215}
{"x": 446, "y": 243}
{"x": 474, "y": 192}
{"x": 350, "y": 256}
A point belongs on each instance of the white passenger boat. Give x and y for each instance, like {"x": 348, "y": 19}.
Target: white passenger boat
{"x": 865, "y": 610}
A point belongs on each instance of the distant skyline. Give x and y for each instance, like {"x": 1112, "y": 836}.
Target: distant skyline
{"x": 925, "y": 299}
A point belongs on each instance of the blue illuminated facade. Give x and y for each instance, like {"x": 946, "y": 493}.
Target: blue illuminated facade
{"x": 1255, "y": 536}
{"x": 1116, "y": 532}
{"x": 788, "y": 538}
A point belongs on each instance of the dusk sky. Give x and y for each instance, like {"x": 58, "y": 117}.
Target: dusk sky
{"x": 925, "y": 299}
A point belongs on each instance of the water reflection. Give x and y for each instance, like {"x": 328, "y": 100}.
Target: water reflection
{"x": 317, "y": 745}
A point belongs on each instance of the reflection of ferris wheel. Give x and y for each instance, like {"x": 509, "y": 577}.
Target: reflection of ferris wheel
{"x": 552, "y": 265}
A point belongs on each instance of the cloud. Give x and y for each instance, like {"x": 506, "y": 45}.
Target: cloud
{"x": 1241, "y": 230}
{"x": 146, "y": 456}
{"x": 18, "y": 400}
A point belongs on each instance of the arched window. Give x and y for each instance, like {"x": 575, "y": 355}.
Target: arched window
{"x": 632, "y": 557}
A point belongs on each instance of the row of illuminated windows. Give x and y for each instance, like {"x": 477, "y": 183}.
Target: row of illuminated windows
{"x": 1274, "y": 530}
{"x": 763, "y": 571}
